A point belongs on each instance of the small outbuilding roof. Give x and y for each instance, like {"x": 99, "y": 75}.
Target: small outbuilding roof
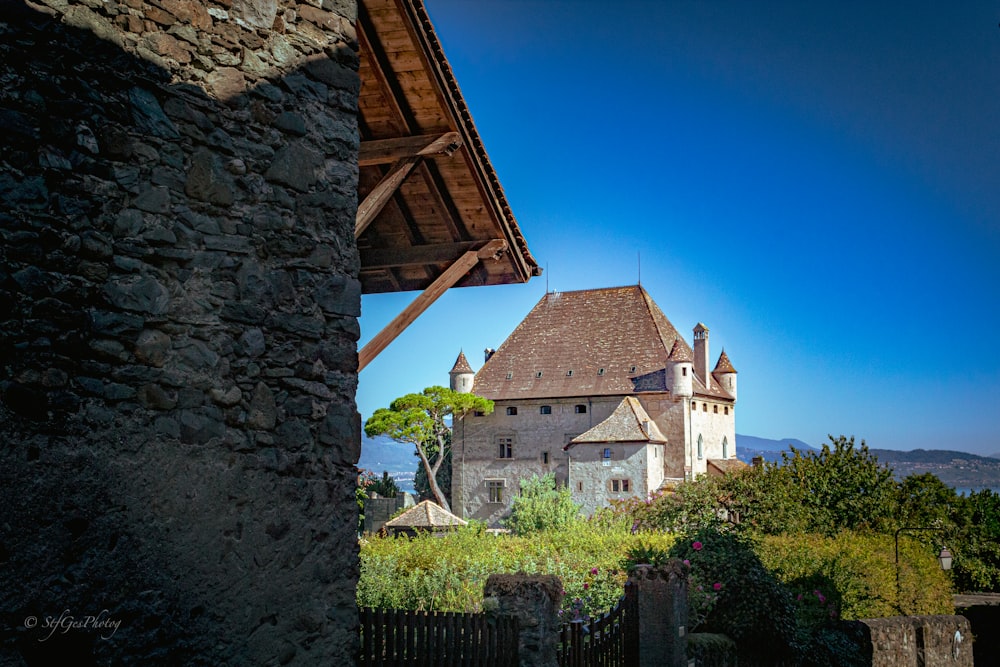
{"x": 426, "y": 514}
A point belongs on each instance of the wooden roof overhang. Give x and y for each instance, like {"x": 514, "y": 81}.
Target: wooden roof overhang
{"x": 432, "y": 214}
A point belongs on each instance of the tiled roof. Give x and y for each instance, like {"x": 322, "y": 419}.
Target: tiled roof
{"x": 727, "y": 465}
{"x": 427, "y": 514}
{"x": 724, "y": 365}
{"x": 614, "y": 340}
{"x": 461, "y": 364}
{"x": 628, "y": 423}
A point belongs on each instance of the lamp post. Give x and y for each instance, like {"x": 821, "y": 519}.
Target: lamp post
{"x": 944, "y": 560}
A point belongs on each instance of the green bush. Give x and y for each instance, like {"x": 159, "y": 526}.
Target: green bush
{"x": 542, "y": 506}
{"x": 856, "y": 573}
{"x": 753, "y": 607}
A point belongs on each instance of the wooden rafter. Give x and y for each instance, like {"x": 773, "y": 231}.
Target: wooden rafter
{"x": 436, "y": 253}
{"x": 383, "y": 151}
{"x": 469, "y": 259}
{"x": 380, "y": 195}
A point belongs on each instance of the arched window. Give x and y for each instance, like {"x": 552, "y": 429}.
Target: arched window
{"x": 701, "y": 447}
{"x": 725, "y": 447}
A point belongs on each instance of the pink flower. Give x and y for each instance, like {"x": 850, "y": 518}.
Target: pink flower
{"x": 586, "y": 586}
{"x": 822, "y": 598}
{"x": 798, "y": 598}
{"x": 697, "y": 546}
{"x": 593, "y": 570}
{"x": 687, "y": 562}
{"x": 717, "y": 586}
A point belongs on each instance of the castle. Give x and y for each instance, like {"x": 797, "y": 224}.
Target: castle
{"x": 598, "y": 388}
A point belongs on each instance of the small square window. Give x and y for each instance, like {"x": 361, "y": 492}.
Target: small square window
{"x": 545, "y": 410}
{"x": 580, "y": 409}
{"x": 479, "y": 413}
{"x": 510, "y": 375}
{"x": 505, "y": 448}
{"x": 512, "y": 410}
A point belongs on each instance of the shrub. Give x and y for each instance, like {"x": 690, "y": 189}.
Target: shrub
{"x": 753, "y": 608}
{"x": 448, "y": 573}
{"x": 856, "y": 573}
{"x": 542, "y": 506}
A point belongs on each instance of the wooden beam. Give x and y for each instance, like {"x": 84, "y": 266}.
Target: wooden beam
{"x": 381, "y": 194}
{"x": 491, "y": 250}
{"x": 436, "y": 253}
{"x": 383, "y": 151}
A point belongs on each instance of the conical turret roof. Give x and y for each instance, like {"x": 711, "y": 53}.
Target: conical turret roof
{"x": 461, "y": 364}
{"x": 724, "y": 365}
{"x": 679, "y": 352}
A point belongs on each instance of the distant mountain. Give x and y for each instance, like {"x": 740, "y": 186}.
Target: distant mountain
{"x": 932, "y": 456}
{"x": 767, "y": 445}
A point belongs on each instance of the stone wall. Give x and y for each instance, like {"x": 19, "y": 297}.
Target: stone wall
{"x": 178, "y": 327}
{"x": 914, "y": 641}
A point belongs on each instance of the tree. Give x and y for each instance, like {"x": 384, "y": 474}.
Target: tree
{"x": 420, "y": 483}
{"x": 542, "y": 506}
{"x": 419, "y": 419}
{"x": 840, "y": 487}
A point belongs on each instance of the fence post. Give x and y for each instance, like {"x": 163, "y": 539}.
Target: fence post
{"x": 534, "y": 600}
{"x": 661, "y": 603}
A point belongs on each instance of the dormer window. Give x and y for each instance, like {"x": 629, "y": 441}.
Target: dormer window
{"x": 538, "y": 374}
{"x": 569, "y": 374}
{"x": 600, "y": 371}
{"x": 632, "y": 370}
{"x": 510, "y": 375}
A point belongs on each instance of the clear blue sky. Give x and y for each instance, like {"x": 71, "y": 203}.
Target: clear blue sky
{"x": 817, "y": 182}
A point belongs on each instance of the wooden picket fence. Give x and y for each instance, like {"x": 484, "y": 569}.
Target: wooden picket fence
{"x": 393, "y": 638}
{"x": 612, "y": 640}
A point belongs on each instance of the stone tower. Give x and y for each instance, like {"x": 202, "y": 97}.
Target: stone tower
{"x": 725, "y": 374}
{"x": 701, "y": 354}
{"x": 682, "y": 369}
{"x": 462, "y": 375}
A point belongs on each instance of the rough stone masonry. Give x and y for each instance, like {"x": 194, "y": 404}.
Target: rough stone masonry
{"x": 178, "y": 328}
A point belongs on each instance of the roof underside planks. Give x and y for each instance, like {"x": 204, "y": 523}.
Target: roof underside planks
{"x": 436, "y": 195}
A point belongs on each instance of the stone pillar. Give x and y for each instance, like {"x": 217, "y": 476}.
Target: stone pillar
{"x": 535, "y": 601}
{"x": 661, "y": 601}
{"x": 178, "y": 332}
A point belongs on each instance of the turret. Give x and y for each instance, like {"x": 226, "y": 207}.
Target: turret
{"x": 682, "y": 369}
{"x": 701, "y": 354}
{"x": 725, "y": 374}
{"x": 462, "y": 375}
